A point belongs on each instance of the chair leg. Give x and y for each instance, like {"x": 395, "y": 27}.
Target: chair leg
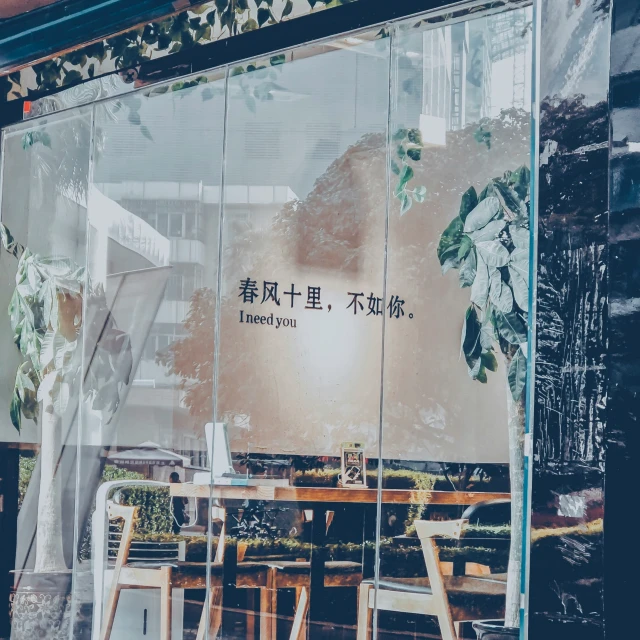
{"x": 165, "y": 604}
{"x": 365, "y": 613}
{"x": 211, "y": 615}
{"x": 110, "y": 613}
{"x": 269, "y": 607}
{"x": 303, "y": 628}
{"x": 298, "y": 631}
{"x": 251, "y": 614}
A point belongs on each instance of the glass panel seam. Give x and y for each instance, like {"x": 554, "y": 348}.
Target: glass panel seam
{"x": 77, "y": 533}
{"x": 376, "y": 578}
{"x": 216, "y": 335}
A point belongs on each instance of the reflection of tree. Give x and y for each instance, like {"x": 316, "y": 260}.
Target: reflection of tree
{"x": 326, "y": 229}
{"x": 331, "y": 231}
{"x": 191, "y": 357}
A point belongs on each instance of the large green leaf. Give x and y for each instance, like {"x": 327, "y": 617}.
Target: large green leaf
{"x": 511, "y": 327}
{"x": 405, "y": 203}
{"x": 450, "y": 240}
{"x": 520, "y": 236}
{"x": 474, "y": 369}
{"x": 405, "y": 175}
{"x": 520, "y": 288}
{"x": 468, "y": 203}
{"x": 510, "y": 201}
{"x": 25, "y": 382}
{"x": 493, "y": 252}
{"x": 489, "y": 360}
{"x": 519, "y": 261}
{"x": 517, "y": 374}
{"x": 500, "y": 292}
{"x": 520, "y": 182}
{"x": 480, "y": 287}
{"x": 468, "y": 270}
{"x": 487, "y": 335}
{"x": 489, "y": 231}
{"x": 288, "y": 8}
{"x": 484, "y": 212}
{"x": 471, "y": 337}
{"x": 465, "y": 246}
{"x": 14, "y": 411}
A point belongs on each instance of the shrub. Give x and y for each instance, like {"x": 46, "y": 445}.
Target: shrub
{"x": 26, "y": 466}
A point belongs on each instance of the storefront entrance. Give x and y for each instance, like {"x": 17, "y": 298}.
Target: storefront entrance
{"x": 269, "y": 340}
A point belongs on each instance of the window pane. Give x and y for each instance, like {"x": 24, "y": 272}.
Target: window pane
{"x": 175, "y": 225}
{"x": 458, "y": 255}
{"x": 134, "y": 425}
{"x": 44, "y": 206}
{"x": 303, "y": 256}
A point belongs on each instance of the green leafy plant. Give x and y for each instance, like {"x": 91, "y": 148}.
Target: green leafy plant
{"x": 46, "y": 314}
{"x": 408, "y": 143}
{"x": 488, "y": 244}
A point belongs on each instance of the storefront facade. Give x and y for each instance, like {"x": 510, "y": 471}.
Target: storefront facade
{"x": 320, "y": 319}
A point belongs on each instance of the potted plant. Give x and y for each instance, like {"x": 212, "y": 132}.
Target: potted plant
{"x": 488, "y": 244}
{"x": 47, "y": 309}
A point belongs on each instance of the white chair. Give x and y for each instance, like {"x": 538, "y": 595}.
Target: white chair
{"x": 430, "y": 596}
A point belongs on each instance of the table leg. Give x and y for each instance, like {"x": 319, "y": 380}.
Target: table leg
{"x": 318, "y": 558}
{"x": 229, "y": 575}
{"x": 251, "y": 614}
{"x": 368, "y": 512}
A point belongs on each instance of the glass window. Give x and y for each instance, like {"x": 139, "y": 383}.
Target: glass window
{"x": 457, "y": 303}
{"x": 175, "y": 225}
{"x": 292, "y": 301}
{"x": 45, "y": 169}
{"x": 162, "y": 224}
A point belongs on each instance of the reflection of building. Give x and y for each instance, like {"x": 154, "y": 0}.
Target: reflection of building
{"x": 186, "y": 214}
{"x": 458, "y": 70}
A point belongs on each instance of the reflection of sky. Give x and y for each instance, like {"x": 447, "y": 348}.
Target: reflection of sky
{"x": 503, "y": 74}
{"x": 574, "y": 64}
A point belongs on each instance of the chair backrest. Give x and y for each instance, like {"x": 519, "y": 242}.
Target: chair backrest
{"x": 128, "y": 515}
{"x": 439, "y": 528}
{"x": 427, "y": 531}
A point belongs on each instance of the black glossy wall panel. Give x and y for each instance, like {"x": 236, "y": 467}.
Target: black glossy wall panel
{"x": 571, "y": 383}
{"x": 623, "y": 446}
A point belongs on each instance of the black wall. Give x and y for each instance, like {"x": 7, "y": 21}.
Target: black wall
{"x": 623, "y": 446}
{"x": 585, "y": 433}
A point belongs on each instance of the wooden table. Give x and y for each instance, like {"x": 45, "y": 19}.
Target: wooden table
{"x": 316, "y": 499}
{"x": 332, "y": 494}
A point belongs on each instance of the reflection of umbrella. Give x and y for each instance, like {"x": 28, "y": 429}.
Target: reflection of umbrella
{"x": 149, "y": 453}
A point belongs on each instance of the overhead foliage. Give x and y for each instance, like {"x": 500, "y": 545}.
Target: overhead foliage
{"x": 191, "y": 357}
{"x": 408, "y": 149}
{"x": 198, "y": 25}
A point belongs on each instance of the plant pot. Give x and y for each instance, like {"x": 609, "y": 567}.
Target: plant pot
{"x": 41, "y": 605}
{"x": 494, "y": 630}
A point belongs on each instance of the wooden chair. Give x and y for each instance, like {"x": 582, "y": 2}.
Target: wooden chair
{"x": 430, "y": 596}
{"x": 297, "y": 575}
{"x": 180, "y": 575}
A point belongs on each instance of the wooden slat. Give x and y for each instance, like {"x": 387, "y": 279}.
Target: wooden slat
{"x": 302, "y": 608}
{"x": 330, "y": 494}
